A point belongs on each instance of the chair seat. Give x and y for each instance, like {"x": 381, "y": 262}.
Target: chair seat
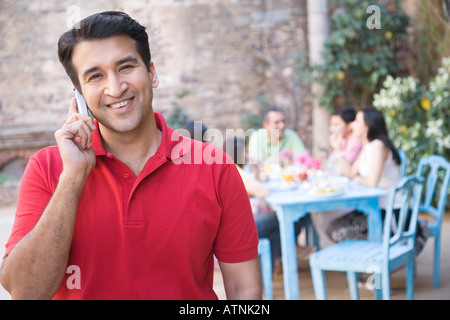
{"x": 358, "y": 256}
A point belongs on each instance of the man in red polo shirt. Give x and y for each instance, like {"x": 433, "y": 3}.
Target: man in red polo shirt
{"x": 117, "y": 210}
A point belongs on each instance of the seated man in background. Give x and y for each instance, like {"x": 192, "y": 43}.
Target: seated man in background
{"x": 346, "y": 146}
{"x": 266, "y": 144}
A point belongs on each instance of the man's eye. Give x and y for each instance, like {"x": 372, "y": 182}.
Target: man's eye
{"x": 94, "y": 76}
{"x": 125, "y": 67}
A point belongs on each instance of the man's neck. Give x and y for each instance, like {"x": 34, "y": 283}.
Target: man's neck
{"x": 133, "y": 148}
{"x": 274, "y": 136}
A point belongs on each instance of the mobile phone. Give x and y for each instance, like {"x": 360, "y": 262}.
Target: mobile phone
{"x": 81, "y": 103}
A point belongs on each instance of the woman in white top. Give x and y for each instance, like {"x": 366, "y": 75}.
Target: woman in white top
{"x": 378, "y": 165}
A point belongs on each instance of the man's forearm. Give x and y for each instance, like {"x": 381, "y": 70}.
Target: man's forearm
{"x": 37, "y": 264}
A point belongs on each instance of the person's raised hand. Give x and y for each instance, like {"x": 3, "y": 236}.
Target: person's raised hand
{"x": 336, "y": 142}
{"x": 74, "y": 140}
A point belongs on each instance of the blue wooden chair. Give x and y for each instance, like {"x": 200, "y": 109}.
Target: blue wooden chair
{"x": 266, "y": 267}
{"x": 403, "y": 162}
{"x": 435, "y": 164}
{"x": 380, "y": 258}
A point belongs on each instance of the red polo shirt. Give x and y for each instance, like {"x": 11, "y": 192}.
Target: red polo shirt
{"x": 151, "y": 236}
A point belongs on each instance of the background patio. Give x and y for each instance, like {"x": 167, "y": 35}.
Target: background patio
{"x": 223, "y": 61}
{"x": 337, "y": 287}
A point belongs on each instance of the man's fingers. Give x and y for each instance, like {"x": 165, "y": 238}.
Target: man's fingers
{"x": 75, "y": 116}
{"x": 77, "y": 129}
{"x": 84, "y": 134}
{"x": 86, "y": 119}
{"x": 73, "y": 107}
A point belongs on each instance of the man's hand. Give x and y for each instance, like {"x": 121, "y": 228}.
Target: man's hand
{"x": 74, "y": 140}
{"x": 336, "y": 142}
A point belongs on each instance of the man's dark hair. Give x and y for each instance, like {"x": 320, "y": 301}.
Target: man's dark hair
{"x": 101, "y": 26}
{"x": 270, "y": 109}
{"x": 347, "y": 114}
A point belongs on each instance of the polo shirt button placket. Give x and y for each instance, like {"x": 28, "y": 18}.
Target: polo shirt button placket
{"x": 126, "y": 175}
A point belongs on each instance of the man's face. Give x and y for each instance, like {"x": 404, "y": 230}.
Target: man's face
{"x": 115, "y": 82}
{"x": 338, "y": 126}
{"x": 275, "y": 121}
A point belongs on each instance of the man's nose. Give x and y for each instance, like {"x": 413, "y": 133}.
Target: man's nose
{"x": 115, "y": 87}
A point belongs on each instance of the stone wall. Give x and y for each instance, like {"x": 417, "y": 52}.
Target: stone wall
{"x": 221, "y": 54}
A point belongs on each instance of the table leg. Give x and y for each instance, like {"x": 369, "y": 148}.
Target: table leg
{"x": 289, "y": 254}
{"x": 374, "y": 222}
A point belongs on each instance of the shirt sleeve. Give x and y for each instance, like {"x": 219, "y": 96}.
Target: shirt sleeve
{"x": 237, "y": 238}
{"x": 294, "y": 143}
{"x": 34, "y": 194}
{"x": 353, "y": 148}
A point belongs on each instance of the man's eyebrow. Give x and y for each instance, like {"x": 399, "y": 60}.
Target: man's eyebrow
{"x": 89, "y": 71}
{"x": 127, "y": 59}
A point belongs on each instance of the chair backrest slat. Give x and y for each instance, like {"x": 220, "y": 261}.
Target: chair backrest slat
{"x": 403, "y": 162}
{"x": 409, "y": 189}
{"x": 437, "y": 166}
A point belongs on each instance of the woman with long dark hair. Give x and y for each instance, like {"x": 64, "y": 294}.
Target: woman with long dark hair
{"x": 378, "y": 165}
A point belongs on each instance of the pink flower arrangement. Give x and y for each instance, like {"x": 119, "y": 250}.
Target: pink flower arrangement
{"x": 309, "y": 162}
{"x": 303, "y": 159}
{"x": 286, "y": 154}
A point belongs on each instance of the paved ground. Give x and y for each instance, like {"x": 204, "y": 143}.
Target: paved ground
{"x": 336, "y": 281}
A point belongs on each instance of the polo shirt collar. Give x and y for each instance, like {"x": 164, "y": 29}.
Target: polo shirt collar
{"x": 269, "y": 142}
{"x": 170, "y": 139}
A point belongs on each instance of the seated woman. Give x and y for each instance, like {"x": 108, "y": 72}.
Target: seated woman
{"x": 346, "y": 148}
{"x": 378, "y": 165}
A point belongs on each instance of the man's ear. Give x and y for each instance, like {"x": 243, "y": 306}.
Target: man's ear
{"x": 153, "y": 75}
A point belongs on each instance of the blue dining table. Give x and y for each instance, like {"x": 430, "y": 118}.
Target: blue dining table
{"x": 292, "y": 204}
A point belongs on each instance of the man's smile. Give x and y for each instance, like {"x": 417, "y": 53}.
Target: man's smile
{"x": 120, "y": 104}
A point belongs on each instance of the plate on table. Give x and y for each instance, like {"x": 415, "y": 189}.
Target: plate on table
{"x": 327, "y": 192}
{"x": 280, "y": 185}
